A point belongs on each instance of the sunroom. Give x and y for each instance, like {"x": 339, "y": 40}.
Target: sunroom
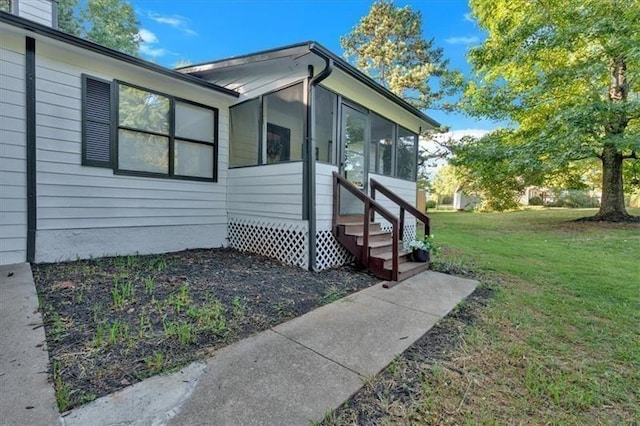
{"x": 306, "y": 118}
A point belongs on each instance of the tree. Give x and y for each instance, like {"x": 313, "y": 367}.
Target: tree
{"x": 111, "y": 23}
{"x": 69, "y": 19}
{"x": 388, "y": 45}
{"x": 566, "y": 75}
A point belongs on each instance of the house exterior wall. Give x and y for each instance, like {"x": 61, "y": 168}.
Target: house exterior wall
{"x": 40, "y": 11}
{"x": 265, "y": 212}
{"x": 13, "y": 173}
{"x": 273, "y": 191}
{"x": 85, "y": 211}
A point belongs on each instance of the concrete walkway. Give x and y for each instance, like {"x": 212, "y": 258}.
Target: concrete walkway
{"x": 291, "y": 374}
{"x": 26, "y": 396}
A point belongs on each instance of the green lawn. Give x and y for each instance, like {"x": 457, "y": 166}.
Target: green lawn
{"x": 560, "y": 342}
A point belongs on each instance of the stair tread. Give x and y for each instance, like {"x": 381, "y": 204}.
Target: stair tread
{"x": 361, "y": 234}
{"x": 388, "y": 255}
{"x": 409, "y": 266}
{"x": 356, "y": 223}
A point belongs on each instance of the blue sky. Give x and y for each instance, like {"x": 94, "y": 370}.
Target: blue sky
{"x": 202, "y": 30}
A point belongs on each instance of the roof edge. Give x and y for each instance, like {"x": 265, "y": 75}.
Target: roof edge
{"x": 245, "y": 58}
{"x": 40, "y": 29}
{"x": 371, "y": 83}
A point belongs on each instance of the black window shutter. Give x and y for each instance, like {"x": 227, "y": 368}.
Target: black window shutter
{"x": 96, "y": 122}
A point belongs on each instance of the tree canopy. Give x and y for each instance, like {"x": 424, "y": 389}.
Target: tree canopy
{"x": 566, "y": 77}
{"x": 111, "y": 23}
{"x": 388, "y": 45}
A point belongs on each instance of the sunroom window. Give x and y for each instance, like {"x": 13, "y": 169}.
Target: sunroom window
{"x": 275, "y": 136}
{"x": 244, "y": 134}
{"x": 326, "y": 105}
{"x": 381, "y": 146}
{"x": 284, "y": 115}
{"x": 406, "y": 154}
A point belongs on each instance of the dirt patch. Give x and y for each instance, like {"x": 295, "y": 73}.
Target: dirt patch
{"x": 111, "y": 322}
{"x": 397, "y": 394}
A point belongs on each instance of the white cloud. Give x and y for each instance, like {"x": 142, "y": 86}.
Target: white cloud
{"x": 176, "y": 21}
{"x": 432, "y": 146}
{"x": 152, "y": 52}
{"x": 147, "y": 36}
{"x": 463, "y": 40}
{"x": 459, "y": 134}
{"x": 469, "y": 17}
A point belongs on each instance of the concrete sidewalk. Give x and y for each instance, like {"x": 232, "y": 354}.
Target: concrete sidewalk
{"x": 293, "y": 373}
{"x": 26, "y": 396}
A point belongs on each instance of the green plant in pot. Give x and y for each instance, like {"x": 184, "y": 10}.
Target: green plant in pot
{"x": 422, "y": 248}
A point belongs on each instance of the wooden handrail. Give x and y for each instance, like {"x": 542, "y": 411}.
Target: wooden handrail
{"x": 404, "y": 206}
{"x": 370, "y": 206}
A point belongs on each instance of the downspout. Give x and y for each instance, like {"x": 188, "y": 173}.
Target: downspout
{"x": 30, "y": 115}
{"x": 309, "y": 172}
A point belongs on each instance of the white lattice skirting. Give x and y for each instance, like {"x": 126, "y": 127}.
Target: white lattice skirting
{"x": 329, "y": 252}
{"x": 286, "y": 241}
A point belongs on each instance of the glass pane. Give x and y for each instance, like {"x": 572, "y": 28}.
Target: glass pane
{"x": 325, "y": 111}
{"x": 285, "y": 116}
{"x": 381, "y": 145}
{"x": 143, "y": 110}
{"x": 193, "y": 122}
{"x": 243, "y": 134}
{"x": 194, "y": 159}
{"x": 406, "y": 155}
{"x": 143, "y": 152}
{"x": 354, "y": 139}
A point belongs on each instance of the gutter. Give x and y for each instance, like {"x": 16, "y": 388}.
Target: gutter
{"x": 309, "y": 168}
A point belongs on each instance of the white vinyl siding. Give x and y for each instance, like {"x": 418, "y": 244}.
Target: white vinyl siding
{"x": 273, "y": 191}
{"x": 79, "y": 206}
{"x": 324, "y": 194}
{"x": 40, "y": 11}
{"x": 402, "y": 188}
{"x": 13, "y": 174}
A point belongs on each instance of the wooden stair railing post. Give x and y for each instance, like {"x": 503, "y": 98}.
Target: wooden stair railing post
{"x": 395, "y": 268}
{"x": 365, "y": 233}
{"x": 336, "y": 206}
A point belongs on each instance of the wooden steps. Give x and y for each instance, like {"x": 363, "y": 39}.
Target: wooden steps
{"x": 350, "y": 232}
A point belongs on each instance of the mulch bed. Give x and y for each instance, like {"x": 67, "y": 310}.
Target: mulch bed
{"x": 111, "y": 322}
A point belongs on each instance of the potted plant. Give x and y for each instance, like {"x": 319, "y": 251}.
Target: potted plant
{"x": 422, "y": 247}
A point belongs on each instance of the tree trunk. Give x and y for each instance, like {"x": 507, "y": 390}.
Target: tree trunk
{"x": 612, "y": 205}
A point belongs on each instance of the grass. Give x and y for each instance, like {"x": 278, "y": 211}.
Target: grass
{"x": 560, "y": 341}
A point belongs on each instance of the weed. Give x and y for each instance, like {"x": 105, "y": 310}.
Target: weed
{"x": 209, "y": 317}
{"x": 149, "y": 283}
{"x": 180, "y": 301}
{"x": 158, "y": 263}
{"x": 181, "y": 331}
{"x": 239, "y": 308}
{"x": 59, "y": 327}
{"x": 101, "y": 332}
{"x": 122, "y": 293}
{"x": 333, "y": 293}
{"x": 155, "y": 363}
{"x": 62, "y": 390}
{"x": 285, "y": 307}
